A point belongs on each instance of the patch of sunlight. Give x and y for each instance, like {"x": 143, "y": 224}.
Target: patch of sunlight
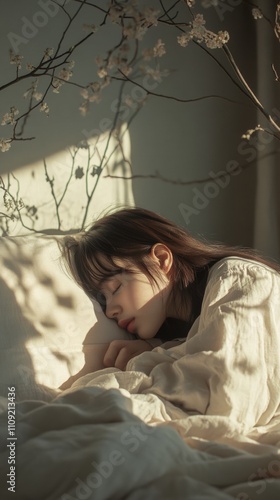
{"x": 63, "y": 191}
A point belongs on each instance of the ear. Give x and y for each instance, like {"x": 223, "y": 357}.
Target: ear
{"x": 163, "y": 256}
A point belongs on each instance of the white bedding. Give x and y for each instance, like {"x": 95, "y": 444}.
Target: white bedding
{"x": 198, "y": 421}
{"x": 89, "y": 444}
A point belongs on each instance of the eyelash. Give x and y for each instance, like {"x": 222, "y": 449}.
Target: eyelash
{"x": 115, "y": 291}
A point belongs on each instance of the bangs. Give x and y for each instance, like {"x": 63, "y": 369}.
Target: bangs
{"x": 94, "y": 270}
{"x": 97, "y": 255}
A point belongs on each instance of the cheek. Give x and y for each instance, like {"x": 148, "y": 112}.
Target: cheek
{"x": 140, "y": 293}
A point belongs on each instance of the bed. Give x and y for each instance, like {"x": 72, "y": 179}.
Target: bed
{"x": 72, "y": 429}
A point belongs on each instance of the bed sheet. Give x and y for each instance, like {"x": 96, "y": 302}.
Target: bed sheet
{"x": 111, "y": 436}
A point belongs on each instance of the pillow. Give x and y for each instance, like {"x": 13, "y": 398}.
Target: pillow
{"x": 45, "y": 319}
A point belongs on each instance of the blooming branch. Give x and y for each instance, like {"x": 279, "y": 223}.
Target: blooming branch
{"x": 130, "y": 62}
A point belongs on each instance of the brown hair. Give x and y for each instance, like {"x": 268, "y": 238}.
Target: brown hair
{"x": 129, "y": 234}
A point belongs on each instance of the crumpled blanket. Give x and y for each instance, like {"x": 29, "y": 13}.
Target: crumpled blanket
{"x": 88, "y": 444}
{"x": 199, "y": 421}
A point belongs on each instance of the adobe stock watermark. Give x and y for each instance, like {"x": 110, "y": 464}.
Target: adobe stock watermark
{"x": 223, "y": 6}
{"x": 30, "y": 27}
{"x": 131, "y": 440}
{"x": 220, "y": 180}
{"x": 259, "y": 480}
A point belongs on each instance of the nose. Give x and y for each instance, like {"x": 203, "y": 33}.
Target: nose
{"x": 112, "y": 309}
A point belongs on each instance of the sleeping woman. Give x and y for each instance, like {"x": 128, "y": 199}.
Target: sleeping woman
{"x": 160, "y": 284}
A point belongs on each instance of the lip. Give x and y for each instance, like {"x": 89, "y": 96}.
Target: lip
{"x": 130, "y": 326}
{"x": 125, "y": 323}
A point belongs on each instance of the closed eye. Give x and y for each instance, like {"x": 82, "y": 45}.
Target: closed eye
{"x": 118, "y": 287}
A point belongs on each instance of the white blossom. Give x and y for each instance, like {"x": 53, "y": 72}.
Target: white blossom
{"x": 95, "y": 86}
{"x": 151, "y": 16}
{"x": 200, "y": 34}
{"x": 198, "y": 21}
{"x": 9, "y": 118}
{"x": 190, "y": 3}
{"x": 65, "y": 74}
{"x": 251, "y": 131}
{"x": 37, "y": 96}
{"x": 140, "y": 32}
{"x": 129, "y": 31}
{"x": 159, "y": 49}
{"x": 102, "y": 72}
{"x": 115, "y": 12}
{"x": 84, "y": 107}
{"x": 57, "y": 84}
{"x": 48, "y": 53}
{"x": 44, "y": 108}
{"x": 84, "y": 93}
{"x": 90, "y": 95}
{"x": 113, "y": 62}
{"x": 198, "y": 29}
{"x": 184, "y": 39}
{"x": 216, "y": 41}
{"x": 95, "y": 98}
{"x": 155, "y": 73}
{"x": 30, "y": 67}
{"x": 6, "y": 120}
{"x": 15, "y": 59}
{"x": 257, "y": 13}
{"x": 32, "y": 90}
{"x": 5, "y": 145}
{"x": 125, "y": 69}
{"x": 106, "y": 81}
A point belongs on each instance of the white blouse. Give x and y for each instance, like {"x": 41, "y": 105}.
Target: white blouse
{"x": 229, "y": 365}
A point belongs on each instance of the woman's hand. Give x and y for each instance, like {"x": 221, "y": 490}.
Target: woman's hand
{"x": 120, "y": 352}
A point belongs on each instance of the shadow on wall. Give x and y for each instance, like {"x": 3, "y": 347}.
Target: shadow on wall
{"x": 74, "y": 189}
{"x": 44, "y": 318}
{"x": 16, "y": 367}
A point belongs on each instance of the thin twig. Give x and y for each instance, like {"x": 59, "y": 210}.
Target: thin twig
{"x": 275, "y": 73}
{"x": 105, "y": 152}
{"x": 51, "y": 182}
{"x": 180, "y": 182}
{"x": 250, "y": 92}
{"x": 172, "y": 98}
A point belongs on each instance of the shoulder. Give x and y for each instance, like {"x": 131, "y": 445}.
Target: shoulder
{"x": 236, "y": 266}
{"x": 240, "y": 277}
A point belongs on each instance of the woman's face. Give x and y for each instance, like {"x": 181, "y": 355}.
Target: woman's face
{"x": 136, "y": 304}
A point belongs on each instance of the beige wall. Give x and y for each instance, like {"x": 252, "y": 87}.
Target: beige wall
{"x": 190, "y": 141}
